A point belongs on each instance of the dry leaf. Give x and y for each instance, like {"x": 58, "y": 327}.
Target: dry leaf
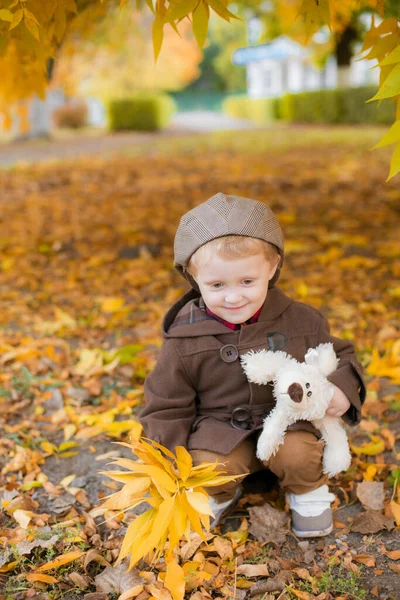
{"x": 117, "y": 580}
{"x": 253, "y": 570}
{"x": 365, "y": 559}
{"x": 395, "y": 567}
{"x": 268, "y": 524}
{"x": 223, "y": 547}
{"x": 395, "y": 510}
{"x": 371, "y": 494}
{"x": 371, "y": 521}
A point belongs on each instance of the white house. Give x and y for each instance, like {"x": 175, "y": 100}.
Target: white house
{"x": 285, "y": 66}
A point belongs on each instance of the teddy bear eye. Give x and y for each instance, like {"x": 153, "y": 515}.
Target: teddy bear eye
{"x": 307, "y": 385}
{"x": 309, "y": 394}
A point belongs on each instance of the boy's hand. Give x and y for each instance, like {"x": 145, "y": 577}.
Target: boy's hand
{"x": 339, "y": 403}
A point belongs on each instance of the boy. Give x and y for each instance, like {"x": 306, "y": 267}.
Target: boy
{"x": 230, "y": 249}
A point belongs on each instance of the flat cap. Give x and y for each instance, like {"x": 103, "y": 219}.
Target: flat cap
{"x": 220, "y": 216}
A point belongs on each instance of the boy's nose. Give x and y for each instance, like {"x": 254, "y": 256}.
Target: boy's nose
{"x": 233, "y": 298}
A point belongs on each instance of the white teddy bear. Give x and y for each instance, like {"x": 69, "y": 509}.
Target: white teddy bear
{"x": 302, "y": 392}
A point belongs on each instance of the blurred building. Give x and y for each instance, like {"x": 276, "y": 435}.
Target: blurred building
{"x": 285, "y": 66}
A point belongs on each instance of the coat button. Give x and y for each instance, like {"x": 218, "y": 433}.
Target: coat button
{"x": 229, "y": 353}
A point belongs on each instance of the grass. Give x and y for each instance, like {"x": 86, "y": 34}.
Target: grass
{"x": 336, "y": 579}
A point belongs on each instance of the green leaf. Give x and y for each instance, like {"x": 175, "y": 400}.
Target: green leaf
{"x": 200, "y": 22}
{"x": 395, "y": 163}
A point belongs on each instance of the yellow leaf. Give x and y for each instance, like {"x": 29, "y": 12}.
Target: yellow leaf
{"x": 390, "y": 87}
{"x": 157, "y": 34}
{"x": 175, "y": 580}
{"x": 201, "y": 17}
{"x": 23, "y": 517}
{"x": 395, "y": 162}
{"x": 395, "y": 508}
{"x": 17, "y": 18}
{"x": 392, "y": 57}
{"x": 199, "y": 502}
{"x": 123, "y": 499}
{"x": 184, "y": 462}
{"x": 180, "y": 9}
{"x": 48, "y": 447}
{"x": 6, "y": 15}
{"x": 391, "y": 137}
{"x": 60, "y": 560}
{"x": 156, "y": 473}
{"x": 33, "y": 577}
{"x": 112, "y": 305}
{"x": 136, "y": 532}
{"x": 219, "y": 7}
{"x": 370, "y": 473}
{"x": 9, "y": 566}
{"x": 376, "y": 446}
{"x": 132, "y": 592}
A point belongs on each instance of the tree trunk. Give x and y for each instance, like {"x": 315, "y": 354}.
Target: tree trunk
{"x": 344, "y": 54}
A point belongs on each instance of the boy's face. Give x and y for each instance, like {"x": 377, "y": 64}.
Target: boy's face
{"x": 235, "y": 289}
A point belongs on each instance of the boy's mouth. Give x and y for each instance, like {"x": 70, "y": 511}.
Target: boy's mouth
{"x": 235, "y": 307}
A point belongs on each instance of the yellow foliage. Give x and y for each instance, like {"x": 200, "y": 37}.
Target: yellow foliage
{"x": 174, "y": 489}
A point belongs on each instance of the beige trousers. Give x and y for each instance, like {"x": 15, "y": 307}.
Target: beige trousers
{"x": 297, "y": 464}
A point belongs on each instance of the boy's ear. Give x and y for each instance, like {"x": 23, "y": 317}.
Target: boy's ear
{"x": 274, "y": 267}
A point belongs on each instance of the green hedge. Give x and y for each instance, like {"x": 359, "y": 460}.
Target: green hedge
{"x": 261, "y": 110}
{"x": 143, "y": 112}
{"x": 345, "y": 105}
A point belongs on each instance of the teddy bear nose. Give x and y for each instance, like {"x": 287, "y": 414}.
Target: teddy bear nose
{"x": 295, "y": 392}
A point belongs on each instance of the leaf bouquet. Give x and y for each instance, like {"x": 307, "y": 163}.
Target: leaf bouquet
{"x": 174, "y": 489}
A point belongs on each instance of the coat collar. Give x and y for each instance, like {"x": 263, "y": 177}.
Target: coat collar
{"x": 188, "y": 318}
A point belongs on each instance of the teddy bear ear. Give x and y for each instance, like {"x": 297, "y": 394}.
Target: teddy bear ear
{"x": 261, "y": 367}
{"x": 323, "y": 357}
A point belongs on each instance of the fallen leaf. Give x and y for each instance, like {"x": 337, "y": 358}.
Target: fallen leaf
{"x": 117, "y": 580}
{"x": 395, "y": 567}
{"x": 268, "y": 524}
{"x": 33, "y": 577}
{"x": 365, "y": 559}
{"x": 60, "y": 560}
{"x": 371, "y": 521}
{"x": 223, "y": 547}
{"x": 253, "y": 570}
{"x": 371, "y": 494}
{"x": 395, "y": 509}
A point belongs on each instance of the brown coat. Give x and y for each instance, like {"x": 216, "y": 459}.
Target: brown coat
{"x": 198, "y": 380}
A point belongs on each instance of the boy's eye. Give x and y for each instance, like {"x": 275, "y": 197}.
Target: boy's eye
{"x": 217, "y": 285}
{"x": 248, "y": 281}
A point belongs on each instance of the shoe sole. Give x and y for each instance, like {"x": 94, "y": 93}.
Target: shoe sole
{"x": 310, "y": 534}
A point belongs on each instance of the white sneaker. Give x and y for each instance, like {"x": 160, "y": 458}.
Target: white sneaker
{"x": 222, "y": 510}
{"x": 311, "y": 512}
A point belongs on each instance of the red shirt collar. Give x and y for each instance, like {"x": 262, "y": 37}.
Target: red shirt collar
{"x": 234, "y": 326}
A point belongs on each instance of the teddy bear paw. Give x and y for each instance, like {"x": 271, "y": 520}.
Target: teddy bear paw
{"x": 335, "y": 461}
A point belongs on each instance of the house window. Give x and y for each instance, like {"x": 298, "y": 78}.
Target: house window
{"x": 266, "y": 80}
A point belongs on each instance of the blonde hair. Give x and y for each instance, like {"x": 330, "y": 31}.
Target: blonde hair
{"x": 231, "y": 247}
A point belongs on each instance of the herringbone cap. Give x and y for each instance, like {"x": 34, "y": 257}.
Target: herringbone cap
{"x": 223, "y": 215}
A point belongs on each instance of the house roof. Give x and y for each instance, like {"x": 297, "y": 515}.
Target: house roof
{"x": 278, "y": 50}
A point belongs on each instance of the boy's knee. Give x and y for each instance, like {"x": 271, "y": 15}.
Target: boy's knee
{"x": 299, "y": 449}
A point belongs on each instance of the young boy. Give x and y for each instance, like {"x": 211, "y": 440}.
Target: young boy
{"x": 230, "y": 249}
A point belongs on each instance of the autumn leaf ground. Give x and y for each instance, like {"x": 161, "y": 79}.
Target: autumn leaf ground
{"x": 86, "y": 275}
